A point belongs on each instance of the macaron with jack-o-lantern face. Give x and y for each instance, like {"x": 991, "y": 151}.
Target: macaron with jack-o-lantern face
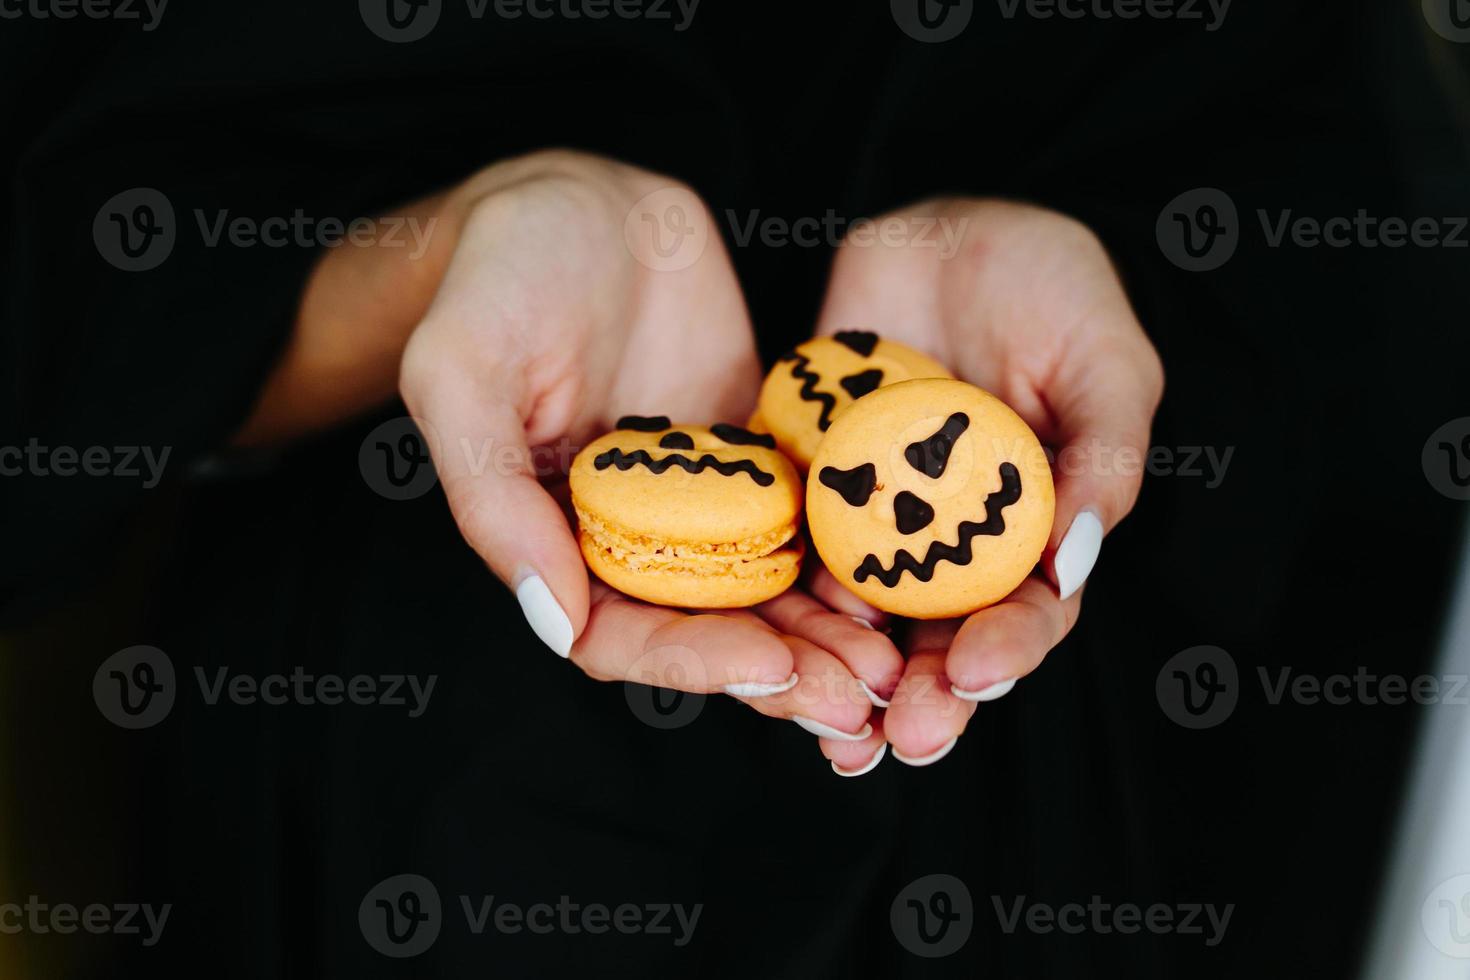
{"x": 813, "y": 384}
{"x": 688, "y": 515}
{"x": 930, "y": 499}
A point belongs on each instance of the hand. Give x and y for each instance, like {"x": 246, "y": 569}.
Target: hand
{"x": 544, "y": 329}
{"x": 1028, "y": 307}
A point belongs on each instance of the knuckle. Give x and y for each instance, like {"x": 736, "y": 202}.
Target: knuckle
{"x": 1119, "y": 496}
{"x": 590, "y": 667}
{"x": 1150, "y": 371}
{"x": 473, "y": 514}
{"x": 543, "y": 200}
{"x": 418, "y": 367}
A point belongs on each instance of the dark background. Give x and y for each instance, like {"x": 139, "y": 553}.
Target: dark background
{"x": 1324, "y": 548}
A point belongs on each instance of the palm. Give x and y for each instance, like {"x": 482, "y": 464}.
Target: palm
{"x": 666, "y": 371}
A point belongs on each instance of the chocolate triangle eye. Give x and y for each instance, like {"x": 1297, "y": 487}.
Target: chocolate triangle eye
{"x": 858, "y": 385}
{"x": 931, "y": 456}
{"x": 855, "y": 485}
{"x": 737, "y": 436}
{"x": 859, "y": 342}
{"x": 644, "y": 423}
{"x": 676, "y": 440}
{"x": 911, "y": 513}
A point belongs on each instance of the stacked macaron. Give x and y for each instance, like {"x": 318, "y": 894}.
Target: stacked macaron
{"x": 687, "y": 515}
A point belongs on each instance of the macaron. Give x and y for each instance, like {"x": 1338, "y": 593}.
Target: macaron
{"x": 687, "y": 515}
{"x": 930, "y": 499}
{"x": 811, "y": 386}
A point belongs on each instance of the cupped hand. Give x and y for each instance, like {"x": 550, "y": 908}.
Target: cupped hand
{"x": 581, "y": 290}
{"x": 1025, "y": 303}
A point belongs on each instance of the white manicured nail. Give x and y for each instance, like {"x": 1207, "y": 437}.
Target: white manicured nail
{"x": 863, "y": 622}
{"x": 827, "y": 731}
{"x": 985, "y": 693}
{"x": 547, "y": 619}
{"x": 925, "y": 760}
{"x": 869, "y": 767}
{"x": 1078, "y": 552}
{"x": 877, "y": 701}
{"x": 754, "y": 690}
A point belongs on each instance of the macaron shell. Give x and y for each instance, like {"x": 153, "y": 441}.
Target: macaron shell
{"x": 691, "y": 587}
{"x": 829, "y": 370}
{"x": 860, "y": 525}
{"x": 708, "y": 506}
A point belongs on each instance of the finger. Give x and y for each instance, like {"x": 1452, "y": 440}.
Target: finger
{"x": 826, "y": 699}
{"x": 923, "y": 635}
{"x": 633, "y": 641}
{"x": 868, "y": 655}
{"x": 857, "y": 758}
{"x": 743, "y": 615}
{"x": 477, "y": 436}
{"x": 997, "y": 646}
{"x": 1103, "y": 395}
{"x": 925, "y": 719}
{"x": 821, "y": 584}
{"x": 752, "y": 687}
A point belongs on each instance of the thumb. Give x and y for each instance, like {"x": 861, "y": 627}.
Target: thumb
{"x": 1103, "y": 396}
{"x": 489, "y": 477}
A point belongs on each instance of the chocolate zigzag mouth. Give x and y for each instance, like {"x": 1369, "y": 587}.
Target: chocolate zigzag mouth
{"x": 640, "y": 457}
{"x": 959, "y": 553}
{"x": 809, "y": 392}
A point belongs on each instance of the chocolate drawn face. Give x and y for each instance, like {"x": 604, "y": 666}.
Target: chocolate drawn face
{"x": 654, "y": 445}
{"x": 912, "y": 513}
{"x": 856, "y": 384}
{"x": 813, "y": 384}
{"x": 930, "y": 498}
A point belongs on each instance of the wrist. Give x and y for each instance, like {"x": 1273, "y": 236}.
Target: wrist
{"x": 358, "y": 307}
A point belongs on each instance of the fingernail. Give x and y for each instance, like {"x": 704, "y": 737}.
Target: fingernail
{"x": 869, "y": 767}
{"x": 547, "y": 619}
{"x": 985, "y": 693}
{"x": 925, "y": 760}
{"x": 877, "y": 701}
{"x": 1078, "y": 552}
{"x": 754, "y": 690}
{"x": 886, "y": 630}
{"x": 827, "y": 731}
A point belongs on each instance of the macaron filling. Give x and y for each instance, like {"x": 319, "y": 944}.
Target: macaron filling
{"x": 763, "y": 554}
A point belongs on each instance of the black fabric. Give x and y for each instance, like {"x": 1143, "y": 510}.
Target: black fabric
{"x": 1324, "y": 548}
